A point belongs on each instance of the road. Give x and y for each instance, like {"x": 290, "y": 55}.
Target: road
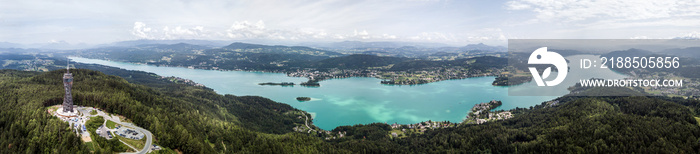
{"x": 307, "y": 124}
{"x": 149, "y": 136}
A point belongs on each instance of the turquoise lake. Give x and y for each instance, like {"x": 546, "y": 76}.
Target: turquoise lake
{"x": 349, "y": 101}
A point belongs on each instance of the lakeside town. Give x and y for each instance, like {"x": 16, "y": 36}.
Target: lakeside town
{"x": 479, "y": 114}
{"x": 397, "y": 77}
{"x": 690, "y": 86}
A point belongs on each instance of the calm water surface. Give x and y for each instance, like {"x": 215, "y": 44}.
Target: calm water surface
{"x": 349, "y": 101}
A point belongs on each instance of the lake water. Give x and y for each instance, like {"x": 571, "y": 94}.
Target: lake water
{"x": 349, "y": 101}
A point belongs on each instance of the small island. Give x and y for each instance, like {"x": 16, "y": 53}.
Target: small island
{"x": 277, "y": 84}
{"x": 303, "y": 99}
{"x": 311, "y": 83}
{"x": 511, "y": 80}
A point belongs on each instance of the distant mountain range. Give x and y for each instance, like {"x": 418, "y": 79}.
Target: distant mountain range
{"x": 333, "y": 46}
{"x": 358, "y": 61}
{"x": 276, "y": 49}
{"x": 354, "y": 45}
{"x": 693, "y": 52}
{"x": 10, "y": 45}
{"x": 248, "y": 56}
{"x": 362, "y": 45}
{"x": 57, "y": 45}
{"x": 208, "y": 43}
{"x": 179, "y": 47}
{"x": 484, "y": 47}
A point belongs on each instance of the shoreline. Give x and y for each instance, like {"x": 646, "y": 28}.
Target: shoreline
{"x": 455, "y": 121}
{"x": 318, "y": 78}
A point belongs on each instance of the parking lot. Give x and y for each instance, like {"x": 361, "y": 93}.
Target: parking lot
{"x": 128, "y": 133}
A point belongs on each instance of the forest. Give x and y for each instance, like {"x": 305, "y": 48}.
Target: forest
{"x": 187, "y": 118}
{"x": 197, "y": 120}
{"x": 577, "y": 125}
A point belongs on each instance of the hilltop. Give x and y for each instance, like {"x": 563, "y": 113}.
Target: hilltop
{"x": 357, "y": 61}
{"x": 195, "y": 119}
{"x": 181, "y": 116}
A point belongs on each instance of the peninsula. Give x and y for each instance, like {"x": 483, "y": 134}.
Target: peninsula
{"x": 482, "y": 113}
{"x": 277, "y": 84}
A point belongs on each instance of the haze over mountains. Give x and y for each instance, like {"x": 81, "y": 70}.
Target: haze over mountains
{"x": 344, "y": 45}
{"x": 60, "y": 45}
{"x": 174, "y": 110}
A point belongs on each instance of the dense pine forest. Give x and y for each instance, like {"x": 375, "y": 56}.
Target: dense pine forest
{"x": 197, "y": 120}
{"x": 186, "y": 118}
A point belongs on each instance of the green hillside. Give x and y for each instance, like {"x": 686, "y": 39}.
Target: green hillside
{"x": 190, "y": 119}
{"x": 278, "y": 49}
{"x": 357, "y": 61}
{"x": 24, "y": 122}
{"x": 197, "y": 120}
{"x": 484, "y": 62}
{"x": 577, "y": 125}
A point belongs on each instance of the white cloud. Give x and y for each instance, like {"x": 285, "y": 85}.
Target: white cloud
{"x": 692, "y": 35}
{"x": 584, "y": 10}
{"x": 639, "y": 19}
{"x": 516, "y": 5}
{"x": 640, "y": 37}
{"x": 32, "y": 21}
{"x": 242, "y": 30}
{"x": 246, "y": 29}
{"x": 107, "y": 21}
{"x": 484, "y": 35}
{"x": 361, "y": 35}
{"x": 432, "y": 36}
{"x": 365, "y": 35}
{"x": 488, "y": 35}
{"x": 140, "y": 30}
{"x": 184, "y": 33}
{"x": 387, "y": 36}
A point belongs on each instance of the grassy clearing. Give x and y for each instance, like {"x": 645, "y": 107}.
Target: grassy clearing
{"x": 399, "y": 133}
{"x": 138, "y": 144}
{"x": 90, "y": 146}
{"x": 111, "y": 124}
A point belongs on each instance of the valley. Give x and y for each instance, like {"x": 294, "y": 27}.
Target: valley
{"x": 233, "y": 127}
{"x": 314, "y": 64}
{"x": 216, "y": 117}
{"x": 347, "y": 77}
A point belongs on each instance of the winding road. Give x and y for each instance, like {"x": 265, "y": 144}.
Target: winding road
{"x": 307, "y": 124}
{"x": 149, "y": 136}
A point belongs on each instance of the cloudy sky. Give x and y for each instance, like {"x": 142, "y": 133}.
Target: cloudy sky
{"x": 454, "y": 22}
